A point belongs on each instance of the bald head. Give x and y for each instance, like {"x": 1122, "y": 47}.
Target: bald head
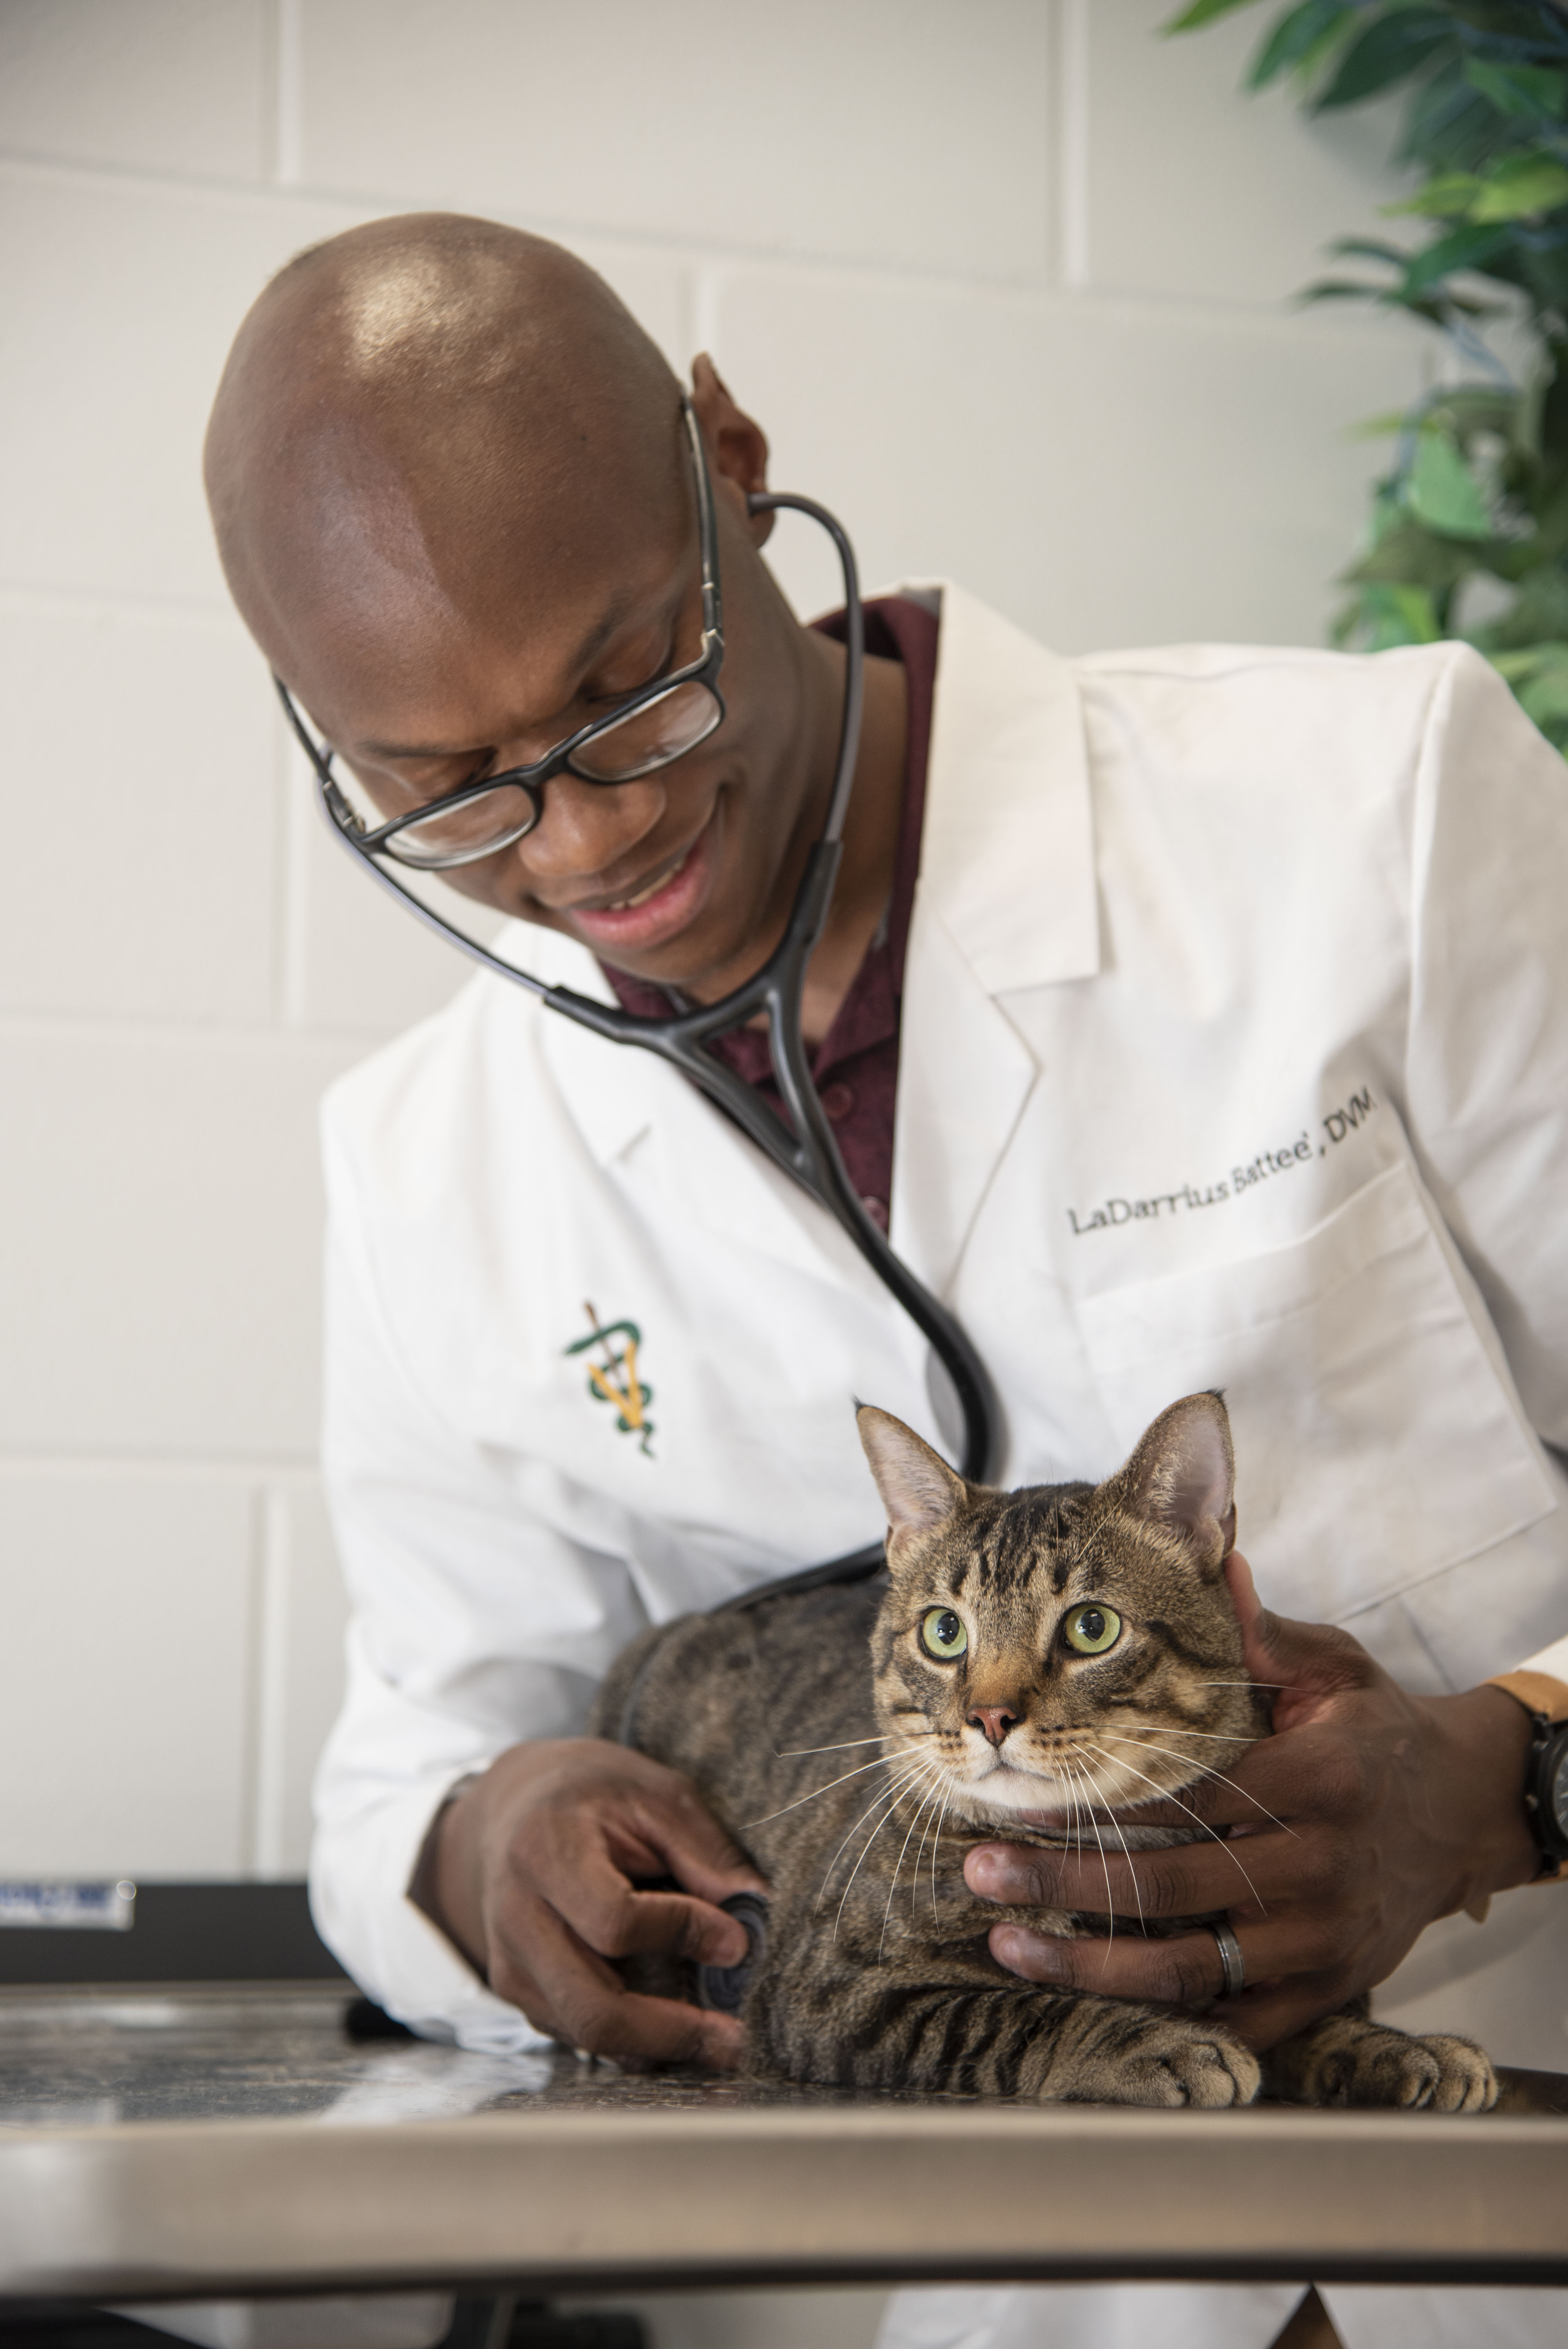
{"x": 429, "y": 413}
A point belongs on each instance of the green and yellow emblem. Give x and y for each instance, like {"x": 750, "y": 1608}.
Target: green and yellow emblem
{"x": 615, "y": 1379}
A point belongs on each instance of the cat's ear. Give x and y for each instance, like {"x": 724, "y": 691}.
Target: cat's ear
{"x": 1182, "y": 1477}
{"x": 919, "y": 1490}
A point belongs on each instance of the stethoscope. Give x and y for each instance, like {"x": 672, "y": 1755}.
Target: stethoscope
{"x": 808, "y": 1154}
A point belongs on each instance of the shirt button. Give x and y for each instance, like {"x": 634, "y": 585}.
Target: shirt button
{"x": 837, "y": 1101}
{"x": 876, "y": 1209}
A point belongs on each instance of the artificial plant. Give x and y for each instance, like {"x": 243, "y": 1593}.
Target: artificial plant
{"x": 1468, "y": 534}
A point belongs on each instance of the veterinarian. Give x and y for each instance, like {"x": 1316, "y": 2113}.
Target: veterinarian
{"x": 1191, "y": 1019}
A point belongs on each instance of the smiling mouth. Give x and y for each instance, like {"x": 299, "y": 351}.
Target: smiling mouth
{"x": 641, "y": 896}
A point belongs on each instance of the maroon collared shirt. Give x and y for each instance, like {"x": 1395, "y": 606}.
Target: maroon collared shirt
{"x": 856, "y": 1065}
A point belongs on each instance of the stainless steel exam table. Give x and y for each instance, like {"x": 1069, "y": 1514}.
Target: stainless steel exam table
{"x": 159, "y": 2147}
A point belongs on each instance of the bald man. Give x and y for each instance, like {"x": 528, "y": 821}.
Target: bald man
{"x": 1186, "y": 1013}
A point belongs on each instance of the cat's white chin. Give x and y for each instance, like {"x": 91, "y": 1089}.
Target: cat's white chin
{"x": 1019, "y": 1794}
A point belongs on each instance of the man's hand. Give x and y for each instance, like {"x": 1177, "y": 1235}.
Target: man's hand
{"x": 530, "y": 1872}
{"x": 1387, "y": 1811}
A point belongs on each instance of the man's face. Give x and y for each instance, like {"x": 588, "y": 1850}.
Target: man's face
{"x": 442, "y": 667}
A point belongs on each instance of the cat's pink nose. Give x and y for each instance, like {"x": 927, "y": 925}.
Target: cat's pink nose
{"x": 994, "y": 1720}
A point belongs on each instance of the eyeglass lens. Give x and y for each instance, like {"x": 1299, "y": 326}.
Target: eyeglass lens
{"x": 638, "y": 744}
{"x": 651, "y": 737}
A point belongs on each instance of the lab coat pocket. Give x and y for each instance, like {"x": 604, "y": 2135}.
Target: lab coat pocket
{"x": 1377, "y": 1440}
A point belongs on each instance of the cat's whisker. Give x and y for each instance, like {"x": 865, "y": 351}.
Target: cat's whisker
{"x": 1206, "y": 1770}
{"x": 938, "y": 1781}
{"x": 1262, "y": 1684}
{"x": 811, "y": 1797}
{"x": 925, "y": 1801}
{"x": 899, "y": 1784}
{"x": 1075, "y": 1816}
{"x": 828, "y": 1873}
{"x": 899, "y": 1793}
{"x": 1216, "y": 1736}
{"x": 1165, "y": 1796}
{"x": 936, "y": 1841}
{"x": 1127, "y": 1855}
{"x": 1109, "y": 1906}
{"x": 797, "y": 1752}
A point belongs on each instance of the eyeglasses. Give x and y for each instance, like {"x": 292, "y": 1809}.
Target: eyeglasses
{"x": 653, "y": 727}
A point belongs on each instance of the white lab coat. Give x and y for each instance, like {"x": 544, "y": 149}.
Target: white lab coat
{"x": 1235, "y": 1053}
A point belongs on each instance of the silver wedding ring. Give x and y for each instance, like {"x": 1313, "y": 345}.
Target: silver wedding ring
{"x": 1232, "y": 1964}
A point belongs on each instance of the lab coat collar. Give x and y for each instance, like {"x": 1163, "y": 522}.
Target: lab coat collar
{"x": 1007, "y": 860}
{"x": 1007, "y": 899}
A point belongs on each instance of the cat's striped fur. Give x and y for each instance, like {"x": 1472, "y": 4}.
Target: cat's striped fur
{"x": 857, "y": 1768}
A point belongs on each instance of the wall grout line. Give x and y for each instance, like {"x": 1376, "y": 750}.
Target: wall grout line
{"x": 708, "y": 283}
{"x": 1072, "y": 146}
{"x": 269, "y": 1690}
{"x": 79, "y": 1028}
{"x": 38, "y": 1460}
{"x": 288, "y": 100}
{"x": 249, "y": 1690}
{"x": 93, "y": 601}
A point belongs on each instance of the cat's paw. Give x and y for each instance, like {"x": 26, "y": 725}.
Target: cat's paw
{"x": 1345, "y": 2060}
{"x": 1438, "y": 2075}
{"x": 1171, "y": 2062}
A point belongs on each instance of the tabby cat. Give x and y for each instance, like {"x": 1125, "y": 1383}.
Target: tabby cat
{"x": 1059, "y": 1650}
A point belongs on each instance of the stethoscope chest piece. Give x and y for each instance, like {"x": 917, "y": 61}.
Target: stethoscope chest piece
{"x": 723, "y": 1988}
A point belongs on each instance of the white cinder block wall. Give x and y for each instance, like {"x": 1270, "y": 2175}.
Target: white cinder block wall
{"x": 1005, "y": 281}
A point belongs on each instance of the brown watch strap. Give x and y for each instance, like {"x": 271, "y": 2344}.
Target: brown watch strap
{"x": 1536, "y": 1691}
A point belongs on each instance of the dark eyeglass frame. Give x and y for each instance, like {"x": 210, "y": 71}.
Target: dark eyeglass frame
{"x": 531, "y": 780}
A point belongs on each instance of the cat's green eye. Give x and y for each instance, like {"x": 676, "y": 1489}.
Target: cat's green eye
{"x": 1092, "y": 1629}
{"x": 942, "y": 1635}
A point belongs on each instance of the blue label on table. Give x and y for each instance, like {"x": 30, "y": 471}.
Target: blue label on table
{"x": 73, "y": 1908}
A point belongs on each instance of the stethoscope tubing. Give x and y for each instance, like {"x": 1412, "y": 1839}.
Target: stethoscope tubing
{"x": 808, "y": 1153}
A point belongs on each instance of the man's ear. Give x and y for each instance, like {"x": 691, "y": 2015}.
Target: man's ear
{"x": 1182, "y": 1477}
{"x": 919, "y": 1490}
{"x": 737, "y": 445}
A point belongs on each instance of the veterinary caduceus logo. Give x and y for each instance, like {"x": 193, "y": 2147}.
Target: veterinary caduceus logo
{"x": 614, "y": 1378}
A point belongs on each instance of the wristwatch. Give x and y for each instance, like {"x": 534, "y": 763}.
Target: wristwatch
{"x": 1547, "y": 1792}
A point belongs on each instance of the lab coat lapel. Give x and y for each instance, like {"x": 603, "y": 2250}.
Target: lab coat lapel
{"x": 1006, "y": 900}
{"x": 630, "y": 1107}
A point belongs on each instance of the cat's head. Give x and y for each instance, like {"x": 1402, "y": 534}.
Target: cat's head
{"x": 1041, "y": 1648}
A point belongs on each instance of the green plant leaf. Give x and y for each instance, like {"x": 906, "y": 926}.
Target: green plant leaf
{"x": 1203, "y": 11}
{"x": 1377, "y": 428}
{"x": 1368, "y": 248}
{"x": 1514, "y": 189}
{"x": 1449, "y": 125}
{"x": 1521, "y": 186}
{"x": 1296, "y": 38}
{"x": 1389, "y": 616}
{"x": 1407, "y": 555}
{"x": 1443, "y": 493}
{"x": 1545, "y": 695}
{"x": 1532, "y": 660}
{"x": 1535, "y": 92}
{"x": 1540, "y": 612}
{"x": 1392, "y": 48}
{"x": 1465, "y": 408}
{"x": 1466, "y": 248}
{"x": 1448, "y": 197}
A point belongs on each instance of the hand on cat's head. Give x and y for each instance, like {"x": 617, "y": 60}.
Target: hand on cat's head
{"x": 1302, "y": 1665}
